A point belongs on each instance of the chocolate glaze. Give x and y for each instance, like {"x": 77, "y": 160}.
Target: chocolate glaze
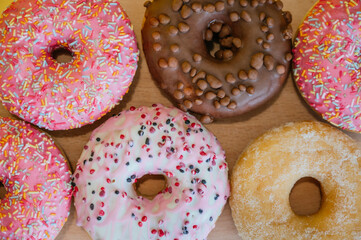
{"x": 251, "y": 69}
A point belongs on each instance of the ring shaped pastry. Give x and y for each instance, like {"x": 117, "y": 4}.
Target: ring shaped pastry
{"x": 36, "y": 177}
{"x": 101, "y": 43}
{"x": 327, "y": 58}
{"x": 268, "y": 169}
{"x": 159, "y": 141}
{"x": 253, "y": 37}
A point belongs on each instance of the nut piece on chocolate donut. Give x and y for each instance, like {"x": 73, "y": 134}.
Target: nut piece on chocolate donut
{"x": 229, "y": 56}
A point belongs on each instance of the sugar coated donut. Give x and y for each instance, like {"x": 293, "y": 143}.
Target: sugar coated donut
{"x": 327, "y": 58}
{"x": 254, "y": 41}
{"x": 267, "y": 170}
{"x": 101, "y": 43}
{"x": 36, "y": 178}
{"x": 143, "y": 141}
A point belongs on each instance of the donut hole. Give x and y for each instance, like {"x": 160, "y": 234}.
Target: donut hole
{"x": 220, "y": 42}
{"x": 62, "y": 55}
{"x": 306, "y": 197}
{"x": 2, "y": 191}
{"x": 150, "y": 185}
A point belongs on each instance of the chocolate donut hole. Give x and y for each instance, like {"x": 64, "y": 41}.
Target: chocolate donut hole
{"x": 150, "y": 185}
{"x": 306, "y": 197}
{"x": 62, "y": 55}
{"x": 219, "y": 41}
{"x": 2, "y": 191}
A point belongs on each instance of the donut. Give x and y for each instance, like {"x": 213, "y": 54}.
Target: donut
{"x": 151, "y": 141}
{"x": 37, "y": 180}
{"x": 327, "y": 62}
{"x": 100, "y": 55}
{"x": 253, "y": 38}
{"x": 266, "y": 174}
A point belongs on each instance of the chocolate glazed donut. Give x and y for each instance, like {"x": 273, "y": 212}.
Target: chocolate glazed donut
{"x": 218, "y": 58}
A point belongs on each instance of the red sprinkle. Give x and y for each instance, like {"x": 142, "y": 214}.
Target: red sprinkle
{"x": 154, "y": 231}
{"x": 102, "y": 193}
{"x": 160, "y": 233}
{"x": 140, "y": 224}
{"x": 101, "y": 213}
{"x": 92, "y": 171}
{"x": 144, "y": 219}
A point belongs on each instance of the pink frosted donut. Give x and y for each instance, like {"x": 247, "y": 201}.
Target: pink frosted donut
{"x": 37, "y": 180}
{"x": 142, "y": 141}
{"x": 37, "y": 88}
{"x": 327, "y": 59}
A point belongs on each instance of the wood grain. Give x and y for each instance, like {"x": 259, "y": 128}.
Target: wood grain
{"x": 234, "y": 134}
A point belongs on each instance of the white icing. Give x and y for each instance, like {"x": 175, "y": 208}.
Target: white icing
{"x": 171, "y": 152}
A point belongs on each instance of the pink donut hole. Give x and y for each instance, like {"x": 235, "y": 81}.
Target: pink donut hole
{"x": 2, "y": 191}
{"x": 62, "y": 54}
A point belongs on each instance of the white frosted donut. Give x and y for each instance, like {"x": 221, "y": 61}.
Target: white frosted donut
{"x": 142, "y": 141}
{"x": 268, "y": 169}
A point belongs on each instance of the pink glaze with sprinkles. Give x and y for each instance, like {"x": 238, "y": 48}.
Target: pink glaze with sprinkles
{"x": 327, "y": 60}
{"x": 37, "y": 181}
{"x": 142, "y": 141}
{"x": 59, "y": 96}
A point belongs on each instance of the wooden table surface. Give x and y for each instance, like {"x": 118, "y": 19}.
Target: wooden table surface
{"x": 234, "y": 134}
